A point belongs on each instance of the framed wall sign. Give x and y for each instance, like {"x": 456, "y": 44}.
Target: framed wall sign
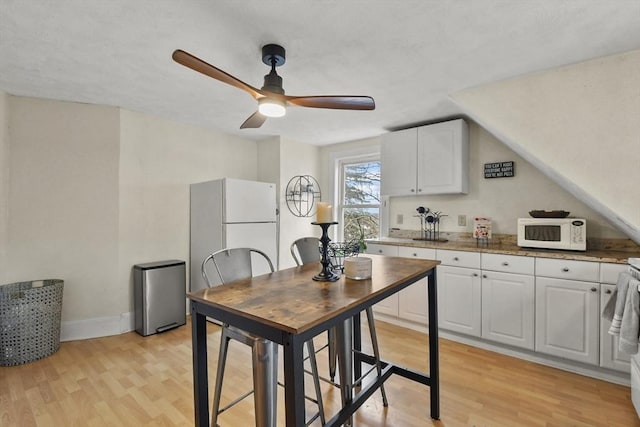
{"x": 499, "y": 170}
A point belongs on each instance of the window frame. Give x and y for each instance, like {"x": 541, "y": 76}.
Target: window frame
{"x": 340, "y": 160}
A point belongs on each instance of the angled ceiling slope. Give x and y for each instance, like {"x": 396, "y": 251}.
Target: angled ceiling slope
{"x": 578, "y": 125}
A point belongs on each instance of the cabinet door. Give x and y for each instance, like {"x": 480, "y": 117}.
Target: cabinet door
{"x": 508, "y": 263}
{"x": 377, "y": 249}
{"x": 459, "y": 258}
{"x": 567, "y": 319}
{"x": 610, "y": 357}
{"x": 459, "y": 298}
{"x": 508, "y": 308}
{"x": 398, "y": 158}
{"x": 609, "y": 272}
{"x": 413, "y": 304}
{"x": 586, "y": 271}
{"x": 388, "y": 305}
{"x": 443, "y": 158}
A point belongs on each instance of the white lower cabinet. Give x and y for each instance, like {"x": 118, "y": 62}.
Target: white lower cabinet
{"x": 410, "y": 303}
{"x": 498, "y": 298}
{"x": 459, "y": 299}
{"x": 413, "y": 300}
{"x": 610, "y": 357}
{"x": 567, "y": 319}
{"x": 388, "y": 306}
{"x": 508, "y": 308}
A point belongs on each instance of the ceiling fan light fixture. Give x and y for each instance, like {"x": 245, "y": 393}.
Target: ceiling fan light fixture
{"x": 272, "y": 102}
{"x": 270, "y": 107}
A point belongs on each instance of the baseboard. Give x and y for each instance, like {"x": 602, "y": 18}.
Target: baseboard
{"x": 622, "y": 378}
{"x": 401, "y": 322}
{"x": 97, "y": 327}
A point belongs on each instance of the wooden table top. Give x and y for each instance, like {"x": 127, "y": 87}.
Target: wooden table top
{"x": 291, "y": 301}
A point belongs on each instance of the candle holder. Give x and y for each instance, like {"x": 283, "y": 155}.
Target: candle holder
{"x": 326, "y": 275}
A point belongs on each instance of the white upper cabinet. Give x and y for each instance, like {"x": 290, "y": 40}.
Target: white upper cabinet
{"x": 432, "y": 159}
{"x": 399, "y": 165}
{"x": 443, "y": 158}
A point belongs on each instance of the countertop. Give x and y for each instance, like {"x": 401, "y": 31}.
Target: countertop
{"x": 508, "y": 248}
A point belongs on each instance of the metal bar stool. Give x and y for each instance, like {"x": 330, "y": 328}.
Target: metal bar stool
{"x": 235, "y": 264}
{"x": 308, "y": 251}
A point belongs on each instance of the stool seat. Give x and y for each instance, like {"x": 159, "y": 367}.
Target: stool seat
{"x": 235, "y": 264}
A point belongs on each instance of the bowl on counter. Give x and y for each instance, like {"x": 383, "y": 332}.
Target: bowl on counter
{"x": 549, "y": 214}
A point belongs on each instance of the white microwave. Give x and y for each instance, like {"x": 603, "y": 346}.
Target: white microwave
{"x": 553, "y": 233}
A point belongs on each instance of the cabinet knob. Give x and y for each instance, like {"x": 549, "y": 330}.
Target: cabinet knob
{"x": 455, "y": 258}
{"x": 594, "y": 289}
{"x": 565, "y": 269}
{"x": 419, "y": 190}
{"x": 484, "y": 276}
{"x": 505, "y": 263}
{"x": 413, "y": 191}
{"x": 608, "y": 291}
{"x": 475, "y": 274}
{"x": 379, "y": 251}
{"x": 415, "y": 254}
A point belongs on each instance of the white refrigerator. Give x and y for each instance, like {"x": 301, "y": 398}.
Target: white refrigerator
{"x": 231, "y": 213}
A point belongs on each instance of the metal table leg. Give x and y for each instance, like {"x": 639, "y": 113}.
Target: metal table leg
{"x": 434, "y": 373}
{"x": 200, "y": 374}
{"x": 344, "y": 338}
{"x": 294, "y": 381}
{"x": 356, "y": 329}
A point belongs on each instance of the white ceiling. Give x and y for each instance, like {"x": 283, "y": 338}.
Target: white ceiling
{"x": 407, "y": 55}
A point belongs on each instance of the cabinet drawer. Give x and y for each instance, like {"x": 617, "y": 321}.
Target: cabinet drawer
{"x": 508, "y": 263}
{"x": 568, "y": 269}
{"x": 459, "y": 258}
{"x": 423, "y": 253}
{"x": 373, "y": 248}
{"x": 609, "y": 272}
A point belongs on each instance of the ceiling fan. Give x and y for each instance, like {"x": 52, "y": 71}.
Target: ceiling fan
{"x": 272, "y": 101}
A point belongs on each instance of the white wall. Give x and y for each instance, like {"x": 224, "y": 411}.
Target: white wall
{"x": 296, "y": 158}
{"x": 94, "y": 190}
{"x": 158, "y": 160}
{"x": 503, "y": 199}
{"x": 4, "y": 184}
{"x": 269, "y": 171}
{"x": 579, "y": 125}
{"x": 280, "y": 160}
{"x": 63, "y": 201}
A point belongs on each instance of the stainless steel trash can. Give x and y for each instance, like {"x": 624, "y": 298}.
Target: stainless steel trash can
{"x": 159, "y": 296}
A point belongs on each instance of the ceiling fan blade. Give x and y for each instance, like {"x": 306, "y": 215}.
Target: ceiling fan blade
{"x": 341, "y": 102}
{"x": 197, "y": 64}
{"x": 254, "y": 121}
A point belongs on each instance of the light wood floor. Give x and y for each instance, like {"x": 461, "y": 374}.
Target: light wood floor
{"x": 129, "y": 380}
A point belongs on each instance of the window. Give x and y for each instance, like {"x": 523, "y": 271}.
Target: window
{"x": 359, "y": 197}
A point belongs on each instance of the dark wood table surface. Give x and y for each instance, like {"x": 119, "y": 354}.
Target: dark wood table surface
{"x": 289, "y": 308}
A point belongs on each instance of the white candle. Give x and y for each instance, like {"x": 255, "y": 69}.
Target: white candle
{"x": 324, "y": 212}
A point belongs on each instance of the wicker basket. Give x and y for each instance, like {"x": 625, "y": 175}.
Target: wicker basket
{"x": 29, "y": 320}
{"x": 338, "y": 251}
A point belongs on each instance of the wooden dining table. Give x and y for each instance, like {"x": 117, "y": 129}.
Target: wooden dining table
{"x": 290, "y": 308}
